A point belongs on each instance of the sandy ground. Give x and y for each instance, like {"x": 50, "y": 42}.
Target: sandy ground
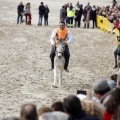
{"x": 24, "y": 57}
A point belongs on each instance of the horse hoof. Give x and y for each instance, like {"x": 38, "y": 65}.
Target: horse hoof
{"x": 54, "y": 86}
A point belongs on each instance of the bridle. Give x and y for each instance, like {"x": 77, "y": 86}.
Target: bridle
{"x": 58, "y": 52}
{"x": 60, "y": 41}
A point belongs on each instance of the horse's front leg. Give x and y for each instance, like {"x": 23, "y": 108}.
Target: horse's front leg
{"x": 60, "y": 76}
{"x": 55, "y": 75}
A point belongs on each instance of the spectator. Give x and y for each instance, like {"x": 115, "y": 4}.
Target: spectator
{"x": 87, "y": 13}
{"x": 94, "y": 16}
{"x": 48, "y": 116}
{"x": 77, "y": 16}
{"x": 81, "y": 12}
{"x": 57, "y": 115}
{"x": 28, "y": 14}
{"x": 20, "y": 11}
{"x": 77, "y": 4}
{"x": 62, "y": 14}
{"x": 66, "y": 19}
{"x": 113, "y": 106}
{"x": 114, "y": 77}
{"x": 70, "y": 15}
{"x": 44, "y": 110}
{"x": 102, "y": 91}
{"x": 41, "y": 13}
{"x": 29, "y": 112}
{"x": 72, "y": 106}
{"x": 117, "y": 22}
{"x": 98, "y": 10}
{"x": 60, "y": 115}
{"x": 112, "y": 84}
{"x": 114, "y": 3}
{"x": 93, "y": 109}
{"x": 116, "y": 51}
{"x": 57, "y": 106}
{"x": 68, "y": 5}
{"x": 46, "y": 15}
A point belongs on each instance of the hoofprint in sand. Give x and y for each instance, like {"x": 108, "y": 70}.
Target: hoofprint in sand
{"x": 24, "y": 57}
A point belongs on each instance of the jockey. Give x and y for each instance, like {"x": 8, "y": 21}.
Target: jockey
{"x": 62, "y": 33}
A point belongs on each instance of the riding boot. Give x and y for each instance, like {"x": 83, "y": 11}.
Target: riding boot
{"x": 52, "y": 55}
{"x": 66, "y": 61}
{"x": 66, "y": 65}
{"x": 52, "y": 65}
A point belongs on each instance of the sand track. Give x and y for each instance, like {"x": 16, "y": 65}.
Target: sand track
{"x": 24, "y": 59}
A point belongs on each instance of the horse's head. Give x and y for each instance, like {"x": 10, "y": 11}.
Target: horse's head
{"x": 60, "y": 47}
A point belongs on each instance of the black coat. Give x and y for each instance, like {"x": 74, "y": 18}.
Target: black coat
{"x": 20, "y": 9}
{"x": 41, "y": 10}
{"x": 94, "y": 14}
{"x": 82, "y": 116}
{"x": 46, "y": 11}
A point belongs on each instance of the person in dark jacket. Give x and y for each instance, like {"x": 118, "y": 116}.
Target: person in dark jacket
{"x": 78, "y": 15}
{"x": 102, "y": 91}
{"x": 66, "y": 20}
{"x": 20, "y": 10}
{"x": 73, "y": 107}
{"x": 41, "y": 13}
{"x": 62, "y": 13}
{"x": 87, "y": 13}
{"x": 28, "y": 112}
{"x": 46, "y": 15}
{"x": 94, "y": 16}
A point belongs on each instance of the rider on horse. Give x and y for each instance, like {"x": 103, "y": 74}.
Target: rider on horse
{"x": 62, "y": 33}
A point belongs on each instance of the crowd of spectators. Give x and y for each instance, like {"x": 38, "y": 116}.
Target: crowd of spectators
{"x": 112, "y": 13}
{"x": 104, "y": 104}
{"x": 72, "y": 15}
{"x": 73, "y": 19}
{"x": 22, "y": 10}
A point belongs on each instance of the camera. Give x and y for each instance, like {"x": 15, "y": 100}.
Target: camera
{"x": 81, "y": 92}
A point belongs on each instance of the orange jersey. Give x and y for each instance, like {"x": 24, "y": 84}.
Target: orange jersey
{"x": 61, "y": 33}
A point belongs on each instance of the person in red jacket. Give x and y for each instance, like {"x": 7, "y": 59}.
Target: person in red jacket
{"x": 113, "y": 106}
